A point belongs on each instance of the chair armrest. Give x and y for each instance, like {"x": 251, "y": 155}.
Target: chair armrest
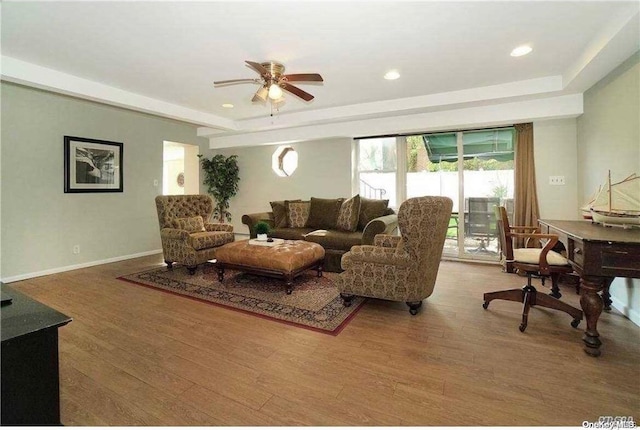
{"x": 250, "y": 221}
{"x": 374, "y": 254}
{"x": 174, "y": 233}
{"x": 385, "y": 224}
{"x": 219, "y": 227}
{"x": 386, "y": 240}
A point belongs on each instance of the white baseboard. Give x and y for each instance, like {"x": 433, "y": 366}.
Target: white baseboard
{"x": 625, "y": 310}
{"x": 78, "y": 266}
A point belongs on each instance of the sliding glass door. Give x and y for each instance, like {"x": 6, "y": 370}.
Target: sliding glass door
{"x": 473, "y": 168}
{"x": 377, "y": 169}
{"x": 487, "y": 176}
{"x": 435, "y": 175}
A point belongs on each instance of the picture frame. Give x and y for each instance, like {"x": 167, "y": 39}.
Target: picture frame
{"x": 92, "y": 165}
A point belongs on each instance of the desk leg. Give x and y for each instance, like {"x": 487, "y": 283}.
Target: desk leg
{"x": 591, "y": 304}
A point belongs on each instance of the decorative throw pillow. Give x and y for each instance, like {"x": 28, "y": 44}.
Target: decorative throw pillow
{"x": 286, "y": 210}
{"x": 370, "y": 209}
{"x": 323, "y": 213}
{"x": 279, "y": 210}
{"x": 297, "y": 214}
{"x": 192, "y": 224}
{"x": 349, "y": 214}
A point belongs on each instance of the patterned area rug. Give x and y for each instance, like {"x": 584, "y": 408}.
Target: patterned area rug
{"x": 314, "y": 304}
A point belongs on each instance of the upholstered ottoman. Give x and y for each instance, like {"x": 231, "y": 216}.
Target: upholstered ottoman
{"x": 284, "y": 259}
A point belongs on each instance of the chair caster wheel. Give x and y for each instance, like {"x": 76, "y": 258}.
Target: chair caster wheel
{"x": 485, "y": 305}
{"x": 575, "y": 323}
{"x": 522, "y": 328}
{"x": 413, "y": 311}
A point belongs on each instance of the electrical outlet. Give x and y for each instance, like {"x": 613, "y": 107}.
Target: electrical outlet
{"x": 556, "y": 180}
{"x": 76, "y": 249}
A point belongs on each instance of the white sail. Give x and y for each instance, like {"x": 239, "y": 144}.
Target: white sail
{"x": 586, "y": 208}
{"x": 617, "y": 203}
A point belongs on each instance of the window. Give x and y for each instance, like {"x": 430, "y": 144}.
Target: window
{"x": 284, "y": 161}
{"x": 377, "y": 168}
{"x": 473, "y": 168}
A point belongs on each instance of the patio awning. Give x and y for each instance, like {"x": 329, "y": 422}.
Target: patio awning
{"x": 485, "y": 145}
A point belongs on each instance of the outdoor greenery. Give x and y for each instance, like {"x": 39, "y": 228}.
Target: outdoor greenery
{"x": 221, "y": 178}
{"x": 377, "y": 154}
{"x": 500, "y": 190}
{"x": 417, "y": 154}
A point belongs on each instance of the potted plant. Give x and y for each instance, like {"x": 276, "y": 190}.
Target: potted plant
{"x": 221, "y": 178}
{"x": 262, "y": 230}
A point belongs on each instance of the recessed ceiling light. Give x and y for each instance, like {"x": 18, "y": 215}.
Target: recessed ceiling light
{"x": 391, "y": 75}
{"x": 521, "y": 50}
{"x": 227, "y": 105}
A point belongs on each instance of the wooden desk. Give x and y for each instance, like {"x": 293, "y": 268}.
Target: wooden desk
{"x": 30, "y": 375}
{"x": 597, "y": 254}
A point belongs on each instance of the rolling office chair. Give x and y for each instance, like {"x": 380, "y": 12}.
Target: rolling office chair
{"x": 532, "y": 261}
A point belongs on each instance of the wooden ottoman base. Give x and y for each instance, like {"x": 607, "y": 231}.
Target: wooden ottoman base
{"x": 284, "y": 261}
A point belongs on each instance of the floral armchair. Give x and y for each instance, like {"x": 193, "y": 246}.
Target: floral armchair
{"x": 400, "y": 268}
{"x": 187, "y": 236}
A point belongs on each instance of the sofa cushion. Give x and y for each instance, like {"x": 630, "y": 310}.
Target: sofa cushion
{"x": 297, "y": 214}
{"x": 279, "y": 210}
{"x": 190, "y": 224}
{"x": 370, "y": 209}
{"x": 532, "y": 256}
{"x": 290, "y": 233}
{"x": 349, "y": 214}
{"x": 334, "y": 239}
{"x": 324, "y": 213}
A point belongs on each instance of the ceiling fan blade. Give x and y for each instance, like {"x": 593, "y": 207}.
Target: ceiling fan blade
{"x": 236, "y": 81}
{"x": 303, "y": 77}
{"x": 260, "y": 95}
{"x": 258, "y": 68}
{"x": 296, "y": 91}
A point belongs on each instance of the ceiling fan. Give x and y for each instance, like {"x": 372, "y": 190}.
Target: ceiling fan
{"x": 273, "y": 80}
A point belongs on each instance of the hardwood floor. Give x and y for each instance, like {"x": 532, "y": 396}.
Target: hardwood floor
{"x": 137, "y": 356}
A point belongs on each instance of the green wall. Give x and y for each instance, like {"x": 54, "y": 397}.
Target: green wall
{"x": 609, "y": 139}
{"x": 324, "y": 171}
{"x": 40, "y": 224}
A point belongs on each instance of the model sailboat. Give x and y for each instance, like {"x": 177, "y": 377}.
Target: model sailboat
{"x": 617, "y": 204}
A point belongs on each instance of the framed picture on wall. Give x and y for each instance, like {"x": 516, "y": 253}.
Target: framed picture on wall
{"x": 92, "y": 166}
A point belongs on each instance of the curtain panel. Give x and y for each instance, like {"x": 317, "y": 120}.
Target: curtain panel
{"x": 526, "y": 210}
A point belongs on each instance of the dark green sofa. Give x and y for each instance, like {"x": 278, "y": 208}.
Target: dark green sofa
{"x": 334, "y": 242}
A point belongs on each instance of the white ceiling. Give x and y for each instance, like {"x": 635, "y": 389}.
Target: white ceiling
{"x": 162, "y": 57}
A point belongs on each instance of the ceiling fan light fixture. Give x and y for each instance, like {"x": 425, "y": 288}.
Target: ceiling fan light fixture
{"x": 273, "y": 82}
{"x": 392, "y": 75}
{"x": 275, "y": 92}
{"x": 227, "y": 105}
{"x": 521, "y": 50}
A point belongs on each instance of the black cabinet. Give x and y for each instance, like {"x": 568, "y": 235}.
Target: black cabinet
{"x": 30, "y": 375}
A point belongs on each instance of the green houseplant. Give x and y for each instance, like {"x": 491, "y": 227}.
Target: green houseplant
{"x": 221, "y": 176}
{"x": 262, "y": 229}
